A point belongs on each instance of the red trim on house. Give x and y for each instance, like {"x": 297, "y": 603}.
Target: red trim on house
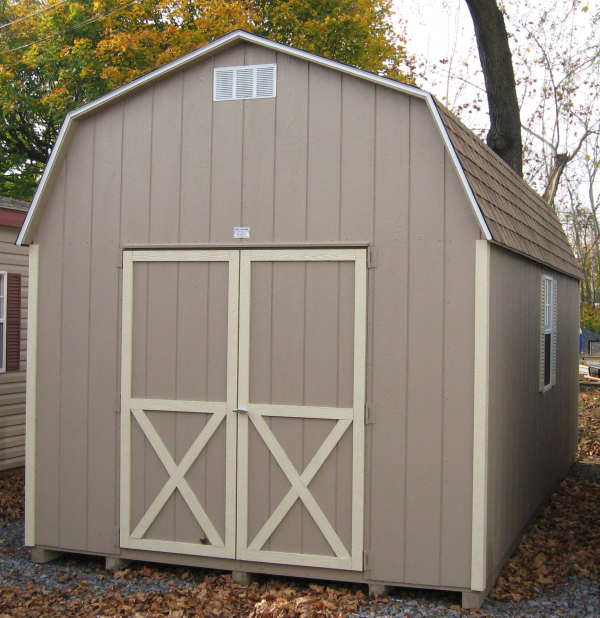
{"x": 12, "y": 218}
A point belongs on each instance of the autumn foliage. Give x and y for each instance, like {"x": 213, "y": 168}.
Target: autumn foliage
{"x": 56, "y": 55}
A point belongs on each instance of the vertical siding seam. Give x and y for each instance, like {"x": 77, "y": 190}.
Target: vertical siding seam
{"x": 176, "y": 416}
{"x": 302, "y": 512}
{"x": 339, "y": 235}
{"x": 443, "y": 389}
{"x": 306, "y": 178}
{"x": 243, "y": 149}
{"x": 180, "y": 158}
{"x": 337, "y": 382}
{"x": 274, "y": 167}
{"x": 117, "y": 523}
{"x": 150, "y": 167}
{"x": 87, "y": 393}
{"x": 407, "y": 331}
{"x": 210, "y": 165}
{"x": 60, "y": 362}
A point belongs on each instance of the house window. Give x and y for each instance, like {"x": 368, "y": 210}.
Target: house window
{"x": 2, "y": 321}
{"x": 548, "y": 334}
{"x": 10, "y": 322}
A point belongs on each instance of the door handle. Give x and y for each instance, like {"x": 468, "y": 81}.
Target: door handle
{"x": 240, "y": 410}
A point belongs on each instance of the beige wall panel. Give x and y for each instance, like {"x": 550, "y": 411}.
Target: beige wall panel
{"x": 196, "y": 145}
{"x": 386, "y": 438}
{"x": 533, "y": 435}
{"x": 226, "y": 174}
{"x": 139, "y": 329}
{"x": 217, "y": 332}
{"x": 357, "y": 159}
{"x": 425, "y": 349}
{"x": 324, "y": 139}
{"x": 321, "y": 322}
{"x": 261, "y": 322}
{"x": 287, "y": 332}
{"x": 161, "y": 331}
{"x": 75, "y": 340}
{"x": 192, "y": 330}
{"x": 291, "y": 149}
{"x": 461, "y": 229}
{"x": 104, "y": 315}
{"x": 166, "y": 160}
{"x": 136, "y": 171}
{"x": 258, "y": 167}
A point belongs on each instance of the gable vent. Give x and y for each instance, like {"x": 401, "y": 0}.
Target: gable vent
{"x": 248, "y": 82}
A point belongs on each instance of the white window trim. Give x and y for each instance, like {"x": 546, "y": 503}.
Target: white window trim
{"x": 548, "y": 327}
{"x": 3, "y": 317}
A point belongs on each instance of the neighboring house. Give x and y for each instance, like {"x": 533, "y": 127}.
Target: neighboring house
{"x": 291, "y": 317}
{"x": 590, "y": 343}
{"x": 13, "y": 333}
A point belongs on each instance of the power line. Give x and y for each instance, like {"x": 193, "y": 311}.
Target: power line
{"x": 83, "y": 23}
{"x": 16, "y": 21}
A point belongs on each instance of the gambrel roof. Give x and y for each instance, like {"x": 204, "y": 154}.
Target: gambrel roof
{"x": 509, "y": 212}
{"x": 516, "y": 215}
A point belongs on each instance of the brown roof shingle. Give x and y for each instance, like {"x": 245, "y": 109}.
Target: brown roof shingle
{"x": 516, "y": 215}
{"x": 8, "y": 202}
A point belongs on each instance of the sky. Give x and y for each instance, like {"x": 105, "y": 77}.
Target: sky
{"x": 442, "y": 30}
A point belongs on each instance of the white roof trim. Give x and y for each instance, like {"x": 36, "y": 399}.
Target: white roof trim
{"x": 28, "y": 228}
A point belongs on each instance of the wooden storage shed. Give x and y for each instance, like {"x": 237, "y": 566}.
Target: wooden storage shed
{"x": 13, "y": 334}
{"x": 293, "y": 318}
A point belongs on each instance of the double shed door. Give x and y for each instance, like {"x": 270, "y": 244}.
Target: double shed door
{"x": 242, "y": 427}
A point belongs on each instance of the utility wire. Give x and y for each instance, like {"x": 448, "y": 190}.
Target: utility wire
{"x": 83, "y": 23}
{"x": 16, "y": 21}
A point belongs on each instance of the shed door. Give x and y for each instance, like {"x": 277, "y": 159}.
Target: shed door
{"x": 302, "y": 381}
{"x": 179, "y": 389}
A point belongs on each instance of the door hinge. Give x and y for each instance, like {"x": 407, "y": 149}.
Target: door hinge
{"x": 371, "y": 257}
{"x": 369, "y": 413}
{"x": 117, "y": 539}
{"x": 367, "y": 560}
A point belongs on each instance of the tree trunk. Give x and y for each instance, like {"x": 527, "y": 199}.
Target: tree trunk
{"x": 560, "y": 162}
{"x": 504, "y": 137}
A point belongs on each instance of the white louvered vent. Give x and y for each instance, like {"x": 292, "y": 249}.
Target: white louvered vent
{"x": 249, "y": 82}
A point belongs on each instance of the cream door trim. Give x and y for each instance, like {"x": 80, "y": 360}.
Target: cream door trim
{"x": 31, "y": 394}
{"x": 480, "y": 418}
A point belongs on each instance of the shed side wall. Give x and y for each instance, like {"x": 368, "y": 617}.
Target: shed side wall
{"x": 14, "y": 259}
{"x": 331, "y": 158}
{"x": 532, "y": 435}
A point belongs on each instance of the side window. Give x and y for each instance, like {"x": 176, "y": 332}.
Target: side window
{"x": 548, "y": 333}
{"x": 10, "y": 321}
{"x": 3, "y": 321}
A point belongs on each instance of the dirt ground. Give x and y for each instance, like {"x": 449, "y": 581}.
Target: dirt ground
{"x": 563, "y": 542}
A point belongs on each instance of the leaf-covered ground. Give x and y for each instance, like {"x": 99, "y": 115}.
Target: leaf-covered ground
{"x": 564, "y": 541}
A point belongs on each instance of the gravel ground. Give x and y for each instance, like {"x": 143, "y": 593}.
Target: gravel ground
{"x": 86, "y": 576}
